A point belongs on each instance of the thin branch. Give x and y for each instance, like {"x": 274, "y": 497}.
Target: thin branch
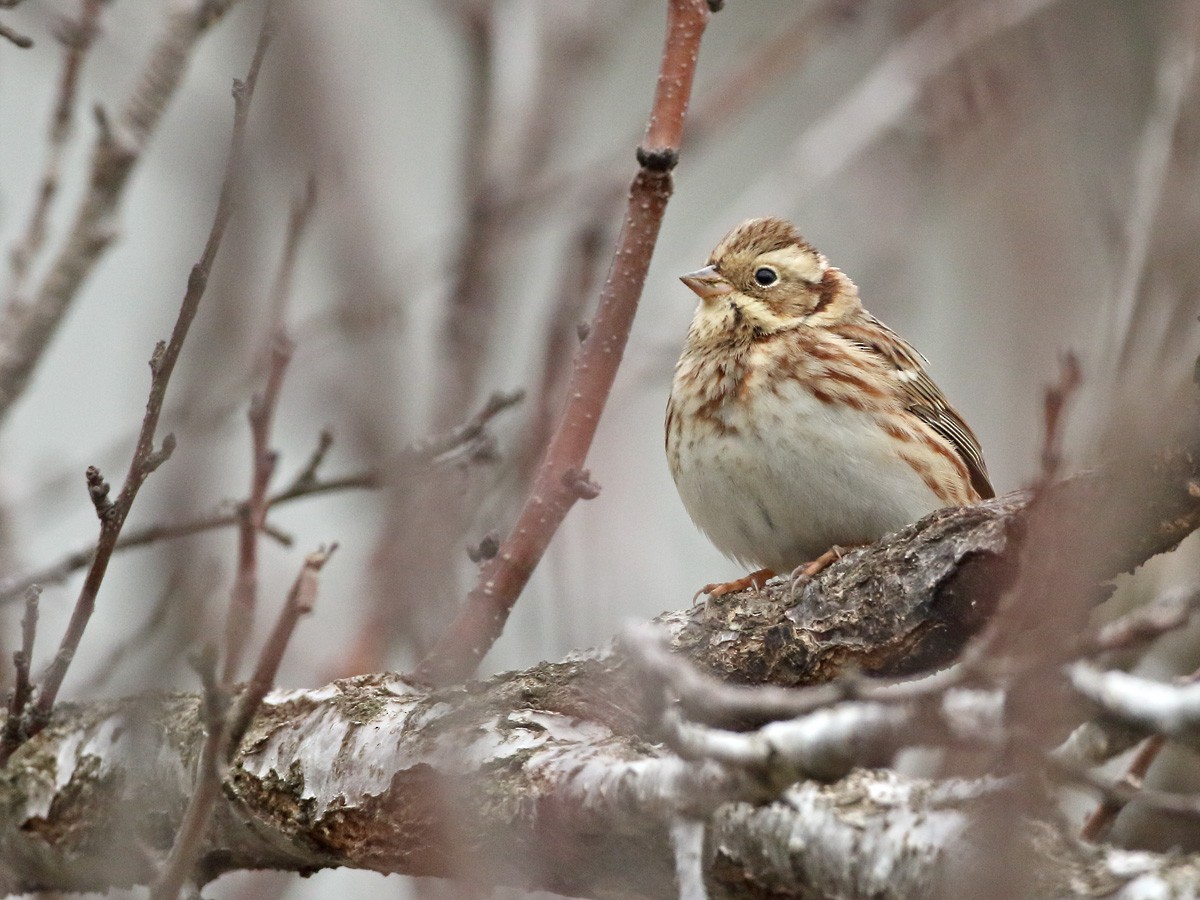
{"x": 209, "y": 773}
{"x": 26, "y": 327}
{"x": 483, "y": 615}
{"x": 1055, "y": 406}
{"x": 77, "y": 37}
{"x": 15, "y": 37}
{"x": 146, "y": 457}
{"x": 1144, "y": 624}
{"x": 1166, "y": 709}
{"x": 253, "y": 513}
{"x": 1103, "y": 817}
{"x": 704, "y": 698}
{"x": 226, "y": 726}
{"x": 300, "y": 600}
{"x": 15, "y": 725}
{"x": 429, "y": 451}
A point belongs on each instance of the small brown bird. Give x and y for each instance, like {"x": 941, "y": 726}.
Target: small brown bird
{"x": 799, "y": 423}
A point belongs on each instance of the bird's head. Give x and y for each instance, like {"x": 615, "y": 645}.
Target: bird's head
{"x": 764, "y": 275}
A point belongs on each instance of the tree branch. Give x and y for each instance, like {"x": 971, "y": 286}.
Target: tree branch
{"x": 557, "y": 484}
{"x": 546, "y": 777}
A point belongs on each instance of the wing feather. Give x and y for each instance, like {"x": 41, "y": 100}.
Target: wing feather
{"x": 925, "y": 399}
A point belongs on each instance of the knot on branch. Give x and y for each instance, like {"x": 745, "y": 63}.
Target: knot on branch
{"x": 579, "y": 481}
{"x": 98, "y": 490}
{"x": 486, "y": 549}
{"x": 661, "y": 160}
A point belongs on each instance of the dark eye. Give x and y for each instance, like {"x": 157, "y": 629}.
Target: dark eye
{"x": 766, "y": 276}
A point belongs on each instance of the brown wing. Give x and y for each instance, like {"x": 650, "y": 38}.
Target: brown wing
{"x": 926, "y": 400}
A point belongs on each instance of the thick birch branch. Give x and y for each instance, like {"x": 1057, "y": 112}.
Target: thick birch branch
{"x": 545, "y": 778}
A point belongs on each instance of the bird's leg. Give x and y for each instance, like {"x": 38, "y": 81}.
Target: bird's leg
{"x": 804, "y": 572}
{"x": 720, "y": 588}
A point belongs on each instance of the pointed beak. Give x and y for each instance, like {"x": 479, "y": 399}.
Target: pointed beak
{"x": 708, "y": 283}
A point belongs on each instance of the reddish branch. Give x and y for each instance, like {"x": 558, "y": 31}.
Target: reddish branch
{"x": 146, "y": 458}
{"x": 561, "y": 475}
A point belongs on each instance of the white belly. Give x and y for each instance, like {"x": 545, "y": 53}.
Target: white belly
{"x": 804, "y": 476}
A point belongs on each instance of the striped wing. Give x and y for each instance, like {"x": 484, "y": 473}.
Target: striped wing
{"x": 925, "y": 400}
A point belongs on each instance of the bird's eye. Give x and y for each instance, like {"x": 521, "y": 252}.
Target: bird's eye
{"x": 766, "y": 276}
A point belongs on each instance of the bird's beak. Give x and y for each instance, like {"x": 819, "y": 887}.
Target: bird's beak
{"x": 708, "y": 283}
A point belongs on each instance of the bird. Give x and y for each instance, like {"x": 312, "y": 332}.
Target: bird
{"x": 799, "y": 424}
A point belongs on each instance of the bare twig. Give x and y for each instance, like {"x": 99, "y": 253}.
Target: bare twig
{"x": 470, "y": 302}
{"x": 227, "y": 726}
{"x": 77, "y": 36}
{"x": 12, "y": 35}
{"x": 501, "y": 580}
{"x": 26, "y": 327}
{"x": 705, "y": 698}
{"x": 209, "y": 772}
{"x": 146, "y": 458}
{"x": 15, "y": 725}
{"x": 1055, "y": 406}
{"x": 1145, "y": 623}
{"x": 253, "y": 513}
{"x": 431, "y": 450}
{"x": 1172, "y": 710}
{"x": 1103, "y": 817}
{"x": 300, "y": 600}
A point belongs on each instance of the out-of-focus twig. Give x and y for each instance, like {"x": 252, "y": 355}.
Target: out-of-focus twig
{"x": 15, "y": 725}
{"x": 209, "y": 771}
{"x": 556, "y": 486}
{"x": 1102, "y": 818}
{"x": 146, "y": 458}
{"x": 1144, "y": 624}
{"x": 307, "y": 483}
{"x": 10, "y": 34}
{"x": 77, "y": 36}
{"x": 252, "y": 514}
{"x": 227, "y": 725}
{"x": 26, "y": 325}
{"x": 885, "y": 95}
{"x": 1054, "y": 408}
{"x": 1176, "y": 74}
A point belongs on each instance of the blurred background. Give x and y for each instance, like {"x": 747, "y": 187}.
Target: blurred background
{"x": 1005, "y": 180}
